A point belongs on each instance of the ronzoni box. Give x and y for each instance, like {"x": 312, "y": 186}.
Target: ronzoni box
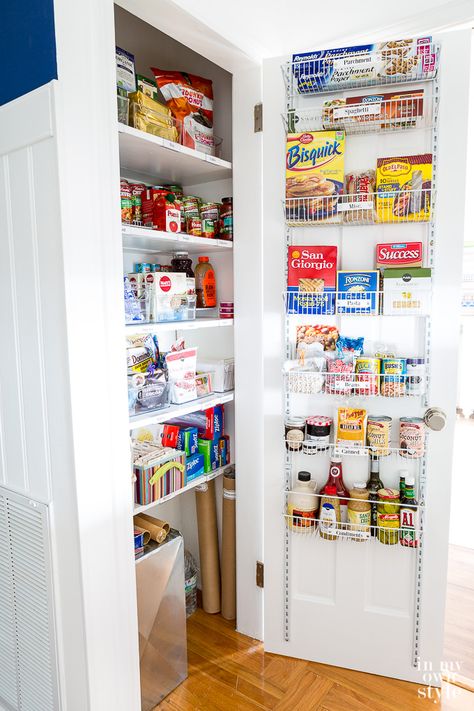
{"x": 311, "y": 279}
{"x": 406, "y": 290}
{"x": 358, "y": 292}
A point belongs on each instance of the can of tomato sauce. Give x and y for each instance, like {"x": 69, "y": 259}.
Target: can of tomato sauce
{"x": 208, "y": 228}
{"x": 412, "y": 437}
{"x": 193, "y": 226}
{"x": 126, "y": 204}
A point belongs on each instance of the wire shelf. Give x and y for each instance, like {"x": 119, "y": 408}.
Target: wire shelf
{"x": 349, "y": 384}
{"x": 398, "y": 455}
{"x": 393, "y": 63}
{"x": 353, "y": 533}
{"x": 385, "y": 207}
{"x": 414, "y": 302}
{"x": 373, "y": 114}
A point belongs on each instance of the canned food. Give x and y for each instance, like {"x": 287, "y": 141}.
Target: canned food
{"x": 378, "y": 434}
{"x": 388, "y": 516}
{"x": 393, "y": 378}
{"x": 227, "y": 219}
{"x": 193, "y": 226}
{"x": 210, "y": 211}
{"x": 367, "y": 375}
{"x": 318, "y": 429}
{"x": 412, "y": 437}
{"x": 416, "y": 376}
{"x": 137, "y": 189}
{"x": 294, "y": 433}
{"x": 126, "y": 205}
{"x": 208, "y": 228}
{"x": 143, "y": 267}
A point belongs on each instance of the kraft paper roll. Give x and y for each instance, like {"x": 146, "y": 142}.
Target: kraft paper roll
{"x": 208, "y": 547}
{"x": 228, "y": 548}
{"x": 157, "y": 529}
{"x": 146, "y": 534}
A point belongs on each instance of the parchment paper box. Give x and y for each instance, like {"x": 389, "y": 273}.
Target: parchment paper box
{"x": 406, "y": 291}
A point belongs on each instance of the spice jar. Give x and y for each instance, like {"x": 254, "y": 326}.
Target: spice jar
{"x": 388, "y": 516}
{"x": 294, "y": 433}
{"x": 359, "y": 512}
{"x": 318, "y": 429}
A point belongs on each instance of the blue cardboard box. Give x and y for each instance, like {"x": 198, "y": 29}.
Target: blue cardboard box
{"x": 188, "y": 440}
{"x": 194, "y": 466}
{"x": 357, "y": 292}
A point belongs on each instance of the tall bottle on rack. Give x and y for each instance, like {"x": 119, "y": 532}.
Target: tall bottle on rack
{"x": 335, "y": 478}
{"x": 374, "y": 485}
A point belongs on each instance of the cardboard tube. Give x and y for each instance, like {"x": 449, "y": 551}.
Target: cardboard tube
{"x": 228, "y": 548}
{"x": 157, "y": 529}
{"x": 208, "y": 547}
{"x": 146, "y": 534}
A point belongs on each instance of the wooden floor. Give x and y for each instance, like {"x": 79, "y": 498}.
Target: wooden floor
{"x": 228, "y": 672}
{"x": 459, "y": 627}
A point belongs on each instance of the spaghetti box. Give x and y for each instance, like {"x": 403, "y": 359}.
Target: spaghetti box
{"x": 358, "y": 292}
{"x": 188, "y": 440}
{"x": 311, "y": 279}
{"x": 125, "y": 68}
{"x": 194, "y": 466}
{"x": 406, "y": 291}
{"x": 209, "y": 448}
{"x": 224, "y": 451}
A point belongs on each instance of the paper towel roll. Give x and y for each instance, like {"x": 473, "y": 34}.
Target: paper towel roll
{"x": 228, "y": 547}
{"x": 208, "y": 547}
{"x": 157, "y": 529}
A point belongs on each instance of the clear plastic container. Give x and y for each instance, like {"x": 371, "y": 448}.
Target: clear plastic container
{"x": 157, "y": 123}
{"x": 122, "y": 109}
{"x": 190, "y": 583}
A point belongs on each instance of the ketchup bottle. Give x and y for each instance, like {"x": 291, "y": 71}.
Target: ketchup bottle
{"x": 335, "y": 479}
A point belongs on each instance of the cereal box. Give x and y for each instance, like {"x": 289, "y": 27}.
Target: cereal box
{"x": 399, "y": 60}
{"x": 399, "y": 254}
{"x": 406, "y": 291}
{"x": 403, "y": 185}
{"x": 314, "y": 174}
{"x": 357, "y": 292}
{"x": 311, "y": 279}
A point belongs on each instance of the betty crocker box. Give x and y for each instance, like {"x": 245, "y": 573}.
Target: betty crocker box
{"x": 311, "y": 279}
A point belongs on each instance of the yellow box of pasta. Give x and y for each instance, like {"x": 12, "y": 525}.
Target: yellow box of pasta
{"x": 403, "y": 186}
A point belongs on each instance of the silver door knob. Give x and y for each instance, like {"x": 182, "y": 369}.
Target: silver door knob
{"x": 435, "y": 418}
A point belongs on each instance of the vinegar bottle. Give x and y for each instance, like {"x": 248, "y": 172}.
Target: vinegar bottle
{"x": 335, "y": 479}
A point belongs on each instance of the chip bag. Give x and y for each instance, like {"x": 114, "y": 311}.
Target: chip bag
{"x": 191, "y": 101}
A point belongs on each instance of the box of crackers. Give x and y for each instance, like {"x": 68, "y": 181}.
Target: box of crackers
{"x": 311, "y": 279}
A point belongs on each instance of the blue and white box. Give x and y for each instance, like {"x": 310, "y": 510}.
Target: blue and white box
{"x": 194, "y": 466}
{"x": 188, "y": 440}
{"x": 357, "y": 292}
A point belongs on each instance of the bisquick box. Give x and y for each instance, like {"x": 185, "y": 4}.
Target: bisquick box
{"x": 311, "y": 279}
{"x": 406, "y": 291}
{"x": 358, "y": 292}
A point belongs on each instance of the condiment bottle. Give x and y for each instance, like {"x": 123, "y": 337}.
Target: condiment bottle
{"x": 205, "y": 284}
{"x": 329, "y": 513}
{"x": 403, "y": 475}
{"x": 182, "y": 263}
{"x": 359, "y": 512}
{"x": 409, "y": 515}
{"x": 335, "y": 479}
{"x": 303, "y": 504}
{"x": 374, "y": 485}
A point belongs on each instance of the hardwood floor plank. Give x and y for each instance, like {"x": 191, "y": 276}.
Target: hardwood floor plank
{"x": 306, "y": 694}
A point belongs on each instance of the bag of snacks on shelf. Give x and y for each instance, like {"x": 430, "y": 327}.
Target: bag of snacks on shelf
{"x": 310, "y": 340}
{"x": 353, "y": 346}
{"x": 182, "y": 374}
{"x": 191, "y": 101}
{"x": 358, "y": 205}
{"x": 340, "y": 375}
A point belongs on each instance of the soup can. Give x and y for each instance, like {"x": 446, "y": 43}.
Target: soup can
{"x": 378, "y": 434}
{"x": 367, "y": 375}
{"x": 412, "y": 437}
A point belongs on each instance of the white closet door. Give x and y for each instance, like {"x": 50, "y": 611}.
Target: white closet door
{"x": 367, "y": 606}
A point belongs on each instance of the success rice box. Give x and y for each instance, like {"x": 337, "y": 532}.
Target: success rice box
{"x": 403, "y": 186}
{"x": 357, "y": 292}
{"x": 311, "y": 279}
{"x": 314, "y": 174}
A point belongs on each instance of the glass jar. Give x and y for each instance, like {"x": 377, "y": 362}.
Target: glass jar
{"x": 182, "y": 263}
{"x": 294, "y": 433}
{"x": 227, "y": 219}
{"x": 388, "y": 516}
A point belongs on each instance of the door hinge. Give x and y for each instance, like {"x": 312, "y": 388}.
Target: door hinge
{"x": 258, "y": 118}
{"x": 259, "y": 574}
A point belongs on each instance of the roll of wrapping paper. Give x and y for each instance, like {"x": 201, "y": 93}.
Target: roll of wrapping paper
{"x": 228, "y": 547}
{"x": 146, "y": 534}
{"x": 157, "y": 529}
{"x": 208, "y": 547}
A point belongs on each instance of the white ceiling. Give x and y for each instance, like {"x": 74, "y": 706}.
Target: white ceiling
{"x": 269, "y": 28}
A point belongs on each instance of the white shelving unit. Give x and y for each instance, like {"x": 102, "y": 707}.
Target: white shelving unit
{"x": 198, "y": 323}
{"x": 146, "y": 240}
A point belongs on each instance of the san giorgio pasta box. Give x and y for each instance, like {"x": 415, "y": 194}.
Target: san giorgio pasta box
{"x": 311, "y": 279}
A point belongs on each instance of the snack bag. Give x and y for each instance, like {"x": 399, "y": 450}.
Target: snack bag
{"x": 351, "y": 426}
{"x": 311, "y": 340}
{"x": 191, "y": 101}
{"x": 404, "y": 188}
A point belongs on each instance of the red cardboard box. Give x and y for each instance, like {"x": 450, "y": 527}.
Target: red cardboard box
{"x": 399, "y": 254}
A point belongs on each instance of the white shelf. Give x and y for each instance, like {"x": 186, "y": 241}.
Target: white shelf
{"x": 178, "y": 325}
{"x": 192, "y": 485}
{"x": 155, "y": 417}
{"x": 160, "y": 158}
{"x": 144, "y": 239}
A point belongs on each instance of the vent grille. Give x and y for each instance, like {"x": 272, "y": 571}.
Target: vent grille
{"x": 27, "y": 661}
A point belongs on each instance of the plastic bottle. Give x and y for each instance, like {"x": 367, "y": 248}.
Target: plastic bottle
{"x": 335, "y": 479}
{"x": 205, "y": 284}
{"x": 330, "y": 513}
{"x": 303, "y": 504}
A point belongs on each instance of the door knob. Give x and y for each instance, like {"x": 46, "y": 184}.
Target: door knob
{"x": 435, "y": 418}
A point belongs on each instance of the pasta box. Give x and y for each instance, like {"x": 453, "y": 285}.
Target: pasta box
{"x": 399, "y": 254}
{"x": 406, "y": 291}
{"x": 358, "y": 292}
{"x": 311, "y": 279}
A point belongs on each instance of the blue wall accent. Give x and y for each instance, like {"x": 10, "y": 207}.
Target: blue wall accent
{"x": 27, "y": 46}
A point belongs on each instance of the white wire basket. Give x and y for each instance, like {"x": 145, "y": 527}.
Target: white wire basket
{"x": 409, "y": 302}
{"x": 395, "y": 456}
{"x": 351, "y": 385}
{"x": 373, "y": 114}
{"x": 386, "y": 207}
{"x": 354, "y": 533}
{"x": 397, "y": 62}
